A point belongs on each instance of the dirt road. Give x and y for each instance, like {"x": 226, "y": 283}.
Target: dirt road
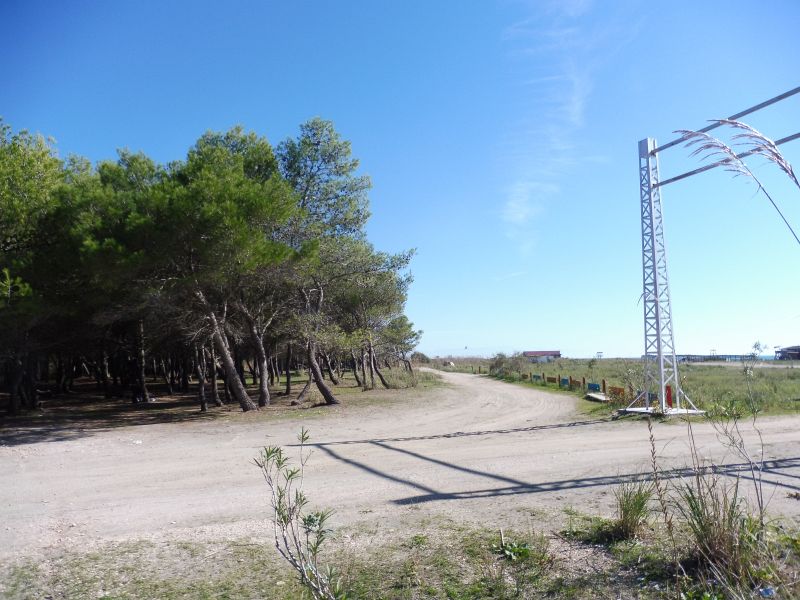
{"x": 476, "y": 450}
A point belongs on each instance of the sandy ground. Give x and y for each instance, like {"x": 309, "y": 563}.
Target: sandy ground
{"x": 477, "y": 450}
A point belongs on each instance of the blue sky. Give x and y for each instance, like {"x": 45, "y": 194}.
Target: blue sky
{"x": 501, "y": 138}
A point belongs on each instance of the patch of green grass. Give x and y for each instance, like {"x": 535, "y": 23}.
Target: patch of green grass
{"x": 181, "y": 570}
{"x": 773, "y": 387}
{"x": 442, "y": 561}
{"x": 588, "y": 529}
{"x": 651, "y": 560}
{"x": 22, "y": 581}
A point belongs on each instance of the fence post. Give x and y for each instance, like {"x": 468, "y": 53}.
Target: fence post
{"x": 604, "y": 386}
{"x": 583, "y": 383}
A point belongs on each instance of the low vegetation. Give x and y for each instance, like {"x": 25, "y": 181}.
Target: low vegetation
{"x": 732, "y": 387}
{"x": 430, "y": 559}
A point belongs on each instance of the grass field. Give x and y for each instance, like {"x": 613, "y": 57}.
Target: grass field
{"x": 432, "y": 559}
{"x": 772, "y": 386}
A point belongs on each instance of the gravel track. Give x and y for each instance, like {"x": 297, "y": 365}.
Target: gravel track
{"x": 476, "y": 450}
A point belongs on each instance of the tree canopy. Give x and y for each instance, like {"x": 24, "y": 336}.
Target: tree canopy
{"x": 236, "y": 255}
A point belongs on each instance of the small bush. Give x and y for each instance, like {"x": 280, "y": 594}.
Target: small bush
{"x": 420, "y": 358}
{"x": 727, "y": 538}
{"x": 510, "y": 550}
{"x": 401, "y": 379}
{"x": 633, "y": 507}
{"x": 299, "y": 534}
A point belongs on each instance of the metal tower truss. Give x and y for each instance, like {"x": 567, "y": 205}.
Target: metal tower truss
{"x": 662, "y": 391}
{"x": 661, "y": 380}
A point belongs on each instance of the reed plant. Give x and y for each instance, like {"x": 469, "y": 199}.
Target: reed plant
{"x": 728, "y": 541}
{"x": 752, "y": 142}
{"x": 633, "y": 507}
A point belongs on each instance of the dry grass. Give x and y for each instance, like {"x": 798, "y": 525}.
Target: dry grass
{"x": 754, "y": 143}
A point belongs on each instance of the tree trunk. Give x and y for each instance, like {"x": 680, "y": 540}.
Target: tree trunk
{"x": 31, "y": 380}
{"x": 200, "y": 369}
{"x": 116, "y": 371}
{"x": 270, "y": 370}
{"x": 214, "y": 389}
{"x": 104, "y": 375}
{"x": 276, "y": 370}
{"x": 166, "y": 377}
{"x": 226, "y": 389}
{"x": 231, "y": 376}
{"x": 186, "y": 369}
{"x": 173, "y": 379}
{"x": 288, "y": 369}
{"x": 374, "y": 365}
{"x": 261, "y": 356}
{"x": 317, "y": 372}
{"x": 70, "y": 377}
{"x": 16, "y": 373}
{"x": 363, "y": 364}
{"x": 367, "y": 359}
{"x": 143, "y": 393}
{"x": 302, "y": 396}
{"x": 255, "y": 370}
{"x": 239, "y": 362}
{"x": 355, "y": 368}
{"x": 61, "y": 375}
{"x": 327, "y": 362}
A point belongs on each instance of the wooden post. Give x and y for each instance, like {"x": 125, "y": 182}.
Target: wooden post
{"x": 583, "y": 383}
{"x": 604, "y": 386}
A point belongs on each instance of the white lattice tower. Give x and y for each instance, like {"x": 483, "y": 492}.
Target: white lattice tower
{"x": 660, "y": 364}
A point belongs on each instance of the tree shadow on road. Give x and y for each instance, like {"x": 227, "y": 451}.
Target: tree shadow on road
{"x": 776, "y": 468}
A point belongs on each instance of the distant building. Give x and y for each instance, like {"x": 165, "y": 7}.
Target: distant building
{"x": 540, "y": 356}
{"x": 788, "y": 353}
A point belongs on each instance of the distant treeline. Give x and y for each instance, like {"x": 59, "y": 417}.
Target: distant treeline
{"x": 240, "y": 254}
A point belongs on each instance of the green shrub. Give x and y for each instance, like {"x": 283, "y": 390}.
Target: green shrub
{"x": 727, "y": 539}
{"x": 633, "y": 507}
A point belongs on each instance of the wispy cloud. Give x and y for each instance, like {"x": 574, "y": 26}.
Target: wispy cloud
{"x": 508, "y": 276}
{"x": 570, "y": 8}
{"x": 524, "y": 201}
{"x": 554, "y": 53}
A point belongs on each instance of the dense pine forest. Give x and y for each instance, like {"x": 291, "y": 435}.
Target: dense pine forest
{"x": 241, "y": 261}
